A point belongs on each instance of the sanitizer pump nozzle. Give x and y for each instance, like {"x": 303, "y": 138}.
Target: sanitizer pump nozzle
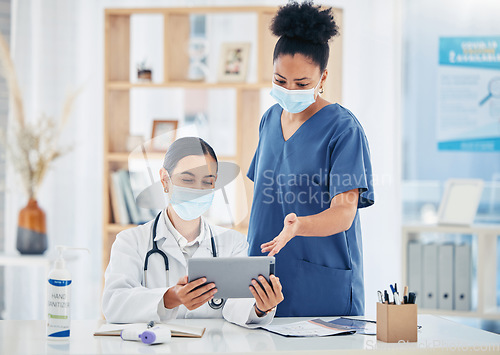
{"x": 58, "y": 296}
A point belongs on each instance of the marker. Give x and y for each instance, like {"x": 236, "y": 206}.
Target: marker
{"x": 386, "y": 297}
{"x": 405, "y": 299}
{"x": 395, "y": 294}
{"x": 379, "y": 296}
{"x": 396, "y": 287}
{"x": 412, "y": 298}
{"x": 396, "y": 298}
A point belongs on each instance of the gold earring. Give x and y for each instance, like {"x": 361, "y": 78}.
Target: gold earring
{"x": 321, "y": 90}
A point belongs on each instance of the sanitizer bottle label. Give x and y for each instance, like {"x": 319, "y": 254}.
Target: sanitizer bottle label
{"x": 58, "y": 297}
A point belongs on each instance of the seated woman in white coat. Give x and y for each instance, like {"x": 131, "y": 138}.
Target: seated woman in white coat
{"x": 133, "y": 295}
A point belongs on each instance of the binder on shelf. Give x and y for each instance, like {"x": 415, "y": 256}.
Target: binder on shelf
{"x": 463, "y": 277}
{"x": 430, "y": 280}
{"x": 445, "y": 276}
{"x": 415, "y": 268}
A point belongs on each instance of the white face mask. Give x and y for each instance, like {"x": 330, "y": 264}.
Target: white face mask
{"x": 190, "y": 203}
{"x": 294, "y": 101}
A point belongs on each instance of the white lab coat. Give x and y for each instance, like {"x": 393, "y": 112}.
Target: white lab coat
{"x": 127, "y": 300}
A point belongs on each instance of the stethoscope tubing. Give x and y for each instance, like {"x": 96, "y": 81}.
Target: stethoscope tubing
{"x": 215, "y": 304}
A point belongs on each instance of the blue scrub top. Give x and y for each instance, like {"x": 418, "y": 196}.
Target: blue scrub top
{"x": 326, "y": 156}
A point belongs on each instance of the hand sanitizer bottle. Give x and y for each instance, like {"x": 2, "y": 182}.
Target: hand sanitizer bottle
{"x": 59, "y": 297}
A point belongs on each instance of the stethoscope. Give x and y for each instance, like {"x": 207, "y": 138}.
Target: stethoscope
{"x": 213, "y": 303}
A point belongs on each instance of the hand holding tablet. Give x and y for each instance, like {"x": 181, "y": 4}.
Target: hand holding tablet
{"x": 240, "y": 277}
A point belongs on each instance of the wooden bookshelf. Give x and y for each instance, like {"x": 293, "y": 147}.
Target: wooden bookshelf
{"x": 176, "y": 24}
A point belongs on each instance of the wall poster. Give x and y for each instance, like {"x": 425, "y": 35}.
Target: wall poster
{"x": 468, "y": 107}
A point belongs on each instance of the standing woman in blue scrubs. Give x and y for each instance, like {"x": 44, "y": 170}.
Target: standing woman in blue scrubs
{"x": 311, "y": 174}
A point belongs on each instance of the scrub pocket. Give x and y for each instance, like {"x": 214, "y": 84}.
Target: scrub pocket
{"x": 321, "y": 290}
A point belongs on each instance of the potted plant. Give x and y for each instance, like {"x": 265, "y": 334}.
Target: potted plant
{"x": 31, "y": 147}
{"x": 143, "y": 72}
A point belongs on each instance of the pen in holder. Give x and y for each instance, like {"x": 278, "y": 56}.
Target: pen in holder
{"x": 396, "y": 323}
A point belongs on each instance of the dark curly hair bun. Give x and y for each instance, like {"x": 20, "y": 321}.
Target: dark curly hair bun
{"x": 304, "y": 22}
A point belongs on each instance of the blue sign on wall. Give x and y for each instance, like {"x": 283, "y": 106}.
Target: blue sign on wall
{"x": 475, "y": 52}
{"x": 468, "y": 117}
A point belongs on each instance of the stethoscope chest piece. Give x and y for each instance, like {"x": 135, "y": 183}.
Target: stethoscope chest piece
{"x": 216, "y": 303}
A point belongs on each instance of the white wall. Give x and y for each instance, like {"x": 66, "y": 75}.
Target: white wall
{"x": 72, "y": 192}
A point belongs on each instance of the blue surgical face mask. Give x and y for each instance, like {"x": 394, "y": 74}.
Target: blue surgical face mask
{"x": 190, "y": 203}
{"x": 294, "y": 101}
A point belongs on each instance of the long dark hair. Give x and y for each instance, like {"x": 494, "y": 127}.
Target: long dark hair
{"x": 184, "y": 147}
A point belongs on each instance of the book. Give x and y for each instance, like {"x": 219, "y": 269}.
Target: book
{"x": 128, "y": 195}
{"x": 176, "y": 330}
{"x": 139, "y": 182}
{"x": 118, "y": 203}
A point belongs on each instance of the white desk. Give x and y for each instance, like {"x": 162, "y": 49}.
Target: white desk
{"x": 437, "y": 335}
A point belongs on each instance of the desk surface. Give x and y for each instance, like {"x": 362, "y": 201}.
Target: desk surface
{"x": 28, "y": 337}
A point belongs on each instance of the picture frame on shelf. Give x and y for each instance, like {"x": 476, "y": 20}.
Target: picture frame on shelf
{"x": 233, "y": 62}
{"x": 163, "y": 134}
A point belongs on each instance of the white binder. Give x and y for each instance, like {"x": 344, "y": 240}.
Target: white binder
{"x": 415, "y": 269}
{"x": 463, "y": 279}
{"x": 429, "y": 274}
{"x": 445, "y": 276}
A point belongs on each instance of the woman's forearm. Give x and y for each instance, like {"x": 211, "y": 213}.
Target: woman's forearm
{"x": 335, "y": 219}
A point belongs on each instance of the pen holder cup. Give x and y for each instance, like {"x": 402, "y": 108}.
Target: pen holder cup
{"x": 396, "y": 323}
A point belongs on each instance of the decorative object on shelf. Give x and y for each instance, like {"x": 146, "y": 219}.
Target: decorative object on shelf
{"x": 233, "y": 64}
{"x": 164, "y": 133}
{"x": 198, "y": 53}
{"x": 31, "y": 148}
{"x": 31, "y": 230}
{"x": 428, "y": 214}
{"x": 144, "y": 74}
{"x": 199, "y": 124}
{"x": 198, "y": 48}
{"x": 134, "y": 141}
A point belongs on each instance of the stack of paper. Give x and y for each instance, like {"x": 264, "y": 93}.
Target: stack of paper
{"x": 310, "y": 328}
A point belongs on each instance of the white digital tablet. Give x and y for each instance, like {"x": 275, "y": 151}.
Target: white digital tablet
{"x": 231, "y": 276}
